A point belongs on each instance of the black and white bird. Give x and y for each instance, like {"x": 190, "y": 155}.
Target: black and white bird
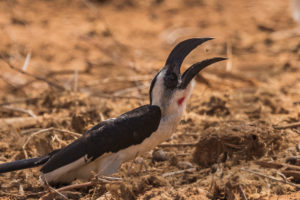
{"x": 103, "y": 148}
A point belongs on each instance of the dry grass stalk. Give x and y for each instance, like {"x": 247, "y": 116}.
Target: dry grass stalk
{"x": 26, "y": 63}
{"x": 69, "y": 132}
{"x": 31, "y": 136}
{"x": 277, "y": 165}
{"x": 19, "y": 122}
{"x": 23, "y": 122}
{"x": 271, "y": 178}
{"x": 97, "y": 180}
{"x": 45, "y": 131}
{"x": 243, "y": 193}
{"x": 229, "y": 56}
{"x": 292, "y": 125}
{"x": 29, "y": 112}
{"x": 178, "y": 172}
{"x": 178, "y": 145}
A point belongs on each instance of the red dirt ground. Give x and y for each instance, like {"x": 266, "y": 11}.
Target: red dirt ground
{"x": 116, "y": 47}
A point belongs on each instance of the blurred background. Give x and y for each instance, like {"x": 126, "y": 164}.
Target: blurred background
{"x": 110, "y": 39}
{"x": 70, "y": 64}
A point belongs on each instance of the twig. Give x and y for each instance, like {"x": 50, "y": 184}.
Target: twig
{"x": 271, "y": 178}
{"x": 277, "y": 165}
{"x": 229, "y": 56}
{"x": 66, "y": 131}
{"x": 44, "y": 131}
{"x": 80, "y": 185}
{"x": 292, "y": 125}
{"x": 30, "y": 130}
{"x": 58, "y": 192}
{"x": 29, "y": 112}
{"x": 22, "y": 122}
{"x": 178, "y": 145}
{"x": 102, "y": 180}
{"x": 293, "y": 173}
{"x": 178, "y": 172}
{"x": 52, "y": 190}
{"x": 19, "y": 122}
{"x": 31, "y": 75}
{"x": 110, "y": 178}
{"x": 24, "y": 68}
{"x": 244, "y": 195}
{"x": 76, "y": 186}
{"x": 60, "y": 141}
{"x": 34, "y": 194}
{"x": 31, "y": 136}
{"x": 282, "y": 176}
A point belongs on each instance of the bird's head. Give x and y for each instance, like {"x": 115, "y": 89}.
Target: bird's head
{"x": 169, "y": 89}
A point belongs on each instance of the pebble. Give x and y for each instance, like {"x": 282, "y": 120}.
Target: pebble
{"x": 139, "y": 160}
{"x": 184, "y": 165}
{"x": 159, "y": 156}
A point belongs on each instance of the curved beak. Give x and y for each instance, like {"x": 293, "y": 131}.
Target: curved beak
{"x": 180, "y": 51}
{"x": 192, "y": 71}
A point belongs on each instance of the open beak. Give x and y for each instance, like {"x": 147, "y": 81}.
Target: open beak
{"x": 179, "y": 53}
{"x": 192, "y": 71}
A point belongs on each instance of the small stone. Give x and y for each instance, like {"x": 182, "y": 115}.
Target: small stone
{"x": 184, "y": 165}
{"x": 139, "y": 160}
{"x": 159, "y": 156}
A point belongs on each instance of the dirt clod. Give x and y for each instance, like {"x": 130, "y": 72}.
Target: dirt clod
{"x": 235, "y": 140}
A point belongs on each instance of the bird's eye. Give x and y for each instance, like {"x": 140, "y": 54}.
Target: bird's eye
{"x": 170, "y": 80}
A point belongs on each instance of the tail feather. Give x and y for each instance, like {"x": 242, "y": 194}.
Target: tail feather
{"x": 26, "y": 163}
{"x": 23, "y": 164}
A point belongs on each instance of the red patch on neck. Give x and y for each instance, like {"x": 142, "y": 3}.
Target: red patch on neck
{"x": 180, "y": 101}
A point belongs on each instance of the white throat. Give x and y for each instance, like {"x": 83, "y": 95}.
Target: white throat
{"x": 172, "y": 107}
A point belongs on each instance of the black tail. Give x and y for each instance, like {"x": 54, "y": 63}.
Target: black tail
{"x": 26, "y": 163}
{"x": 23, "y": 164}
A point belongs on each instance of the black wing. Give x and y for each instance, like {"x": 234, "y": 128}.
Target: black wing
{"x": 128, "y": 129}
{"x": 99, "y": 125}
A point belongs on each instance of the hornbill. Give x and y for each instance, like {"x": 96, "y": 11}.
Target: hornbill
{"x": 104, "y": 147}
